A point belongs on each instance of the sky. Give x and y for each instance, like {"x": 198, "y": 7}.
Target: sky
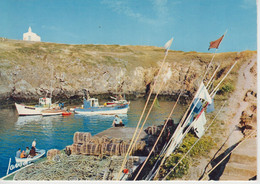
{"x": 192, "y": 23}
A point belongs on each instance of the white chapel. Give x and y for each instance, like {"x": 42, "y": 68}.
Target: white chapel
{"x": 30, "y": 36}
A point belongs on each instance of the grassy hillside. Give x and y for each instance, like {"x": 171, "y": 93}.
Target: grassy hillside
{"x": 26, "y": 68}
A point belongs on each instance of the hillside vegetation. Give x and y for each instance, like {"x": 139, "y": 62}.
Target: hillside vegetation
{"x": 26, "y": 69}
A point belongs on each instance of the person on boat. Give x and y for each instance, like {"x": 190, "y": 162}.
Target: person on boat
{"x": 18, "y": 153}
{"x": 32, "y": 152}
{"x": 27, "y": 151}
{"x": 22, "y": 155}
{"x": 117, "y": 121}
{"x": 34, "y": 143}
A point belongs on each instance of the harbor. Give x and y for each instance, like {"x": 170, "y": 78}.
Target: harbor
{"x": 120, "y": 90}
{"x": 56, "y": 132}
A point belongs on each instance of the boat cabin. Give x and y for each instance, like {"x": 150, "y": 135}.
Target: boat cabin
{"x": 45, "y": 101}
{"x": 92, "y": 102}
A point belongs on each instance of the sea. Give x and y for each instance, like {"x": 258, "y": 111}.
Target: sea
{"x": 56, "y": 132}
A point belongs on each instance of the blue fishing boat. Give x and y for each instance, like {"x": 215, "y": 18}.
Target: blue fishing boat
{"x": 91, "y": 107}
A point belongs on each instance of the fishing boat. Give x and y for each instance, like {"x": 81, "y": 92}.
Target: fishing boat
{"x": 52, "y": 112}
{"x": 24, "y": 110}
{"x": 39, "y": 152}
{"x": 91, "y": 107}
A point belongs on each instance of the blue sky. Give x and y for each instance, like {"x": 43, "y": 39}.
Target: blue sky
{"x": 192, "y": 23}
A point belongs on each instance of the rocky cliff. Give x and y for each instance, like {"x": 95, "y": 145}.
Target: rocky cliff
{"x": 26, "y": 69}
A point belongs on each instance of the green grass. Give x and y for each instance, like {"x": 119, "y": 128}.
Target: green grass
{"x": 202, "y": 148}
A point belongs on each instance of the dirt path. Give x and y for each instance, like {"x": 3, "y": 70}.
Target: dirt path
{"x": 246, "y": 81}
{"x": 241, "y": 164}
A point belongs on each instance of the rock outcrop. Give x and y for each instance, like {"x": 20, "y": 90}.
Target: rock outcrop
{"x": 26, "y": 69}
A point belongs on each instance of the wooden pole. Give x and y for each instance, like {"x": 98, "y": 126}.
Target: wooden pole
{"x": 209, "y": 64}
{"x": 130, "y": 145}
{"x": 223, "y": 78}
{"x": 158, "y": 137}
{"x": 212, "y": 76}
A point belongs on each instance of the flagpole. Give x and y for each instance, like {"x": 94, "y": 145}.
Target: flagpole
{"x": 212, "y": 76}
{"x": 147, "y": 101}
{"x": 157, "y": 172}
{"x": 183, "y": 120}
{"x": 209, "y": 64}
{"x": 223, "y": 78}
{"x": 160, "y": 133}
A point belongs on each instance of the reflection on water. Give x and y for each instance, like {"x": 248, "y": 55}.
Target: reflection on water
{"x": 56, "y": 132}
{"x": 22, "y": 120}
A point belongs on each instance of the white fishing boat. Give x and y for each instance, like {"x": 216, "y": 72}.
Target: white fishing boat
{"x": 52, "y": 112}
{"x": 39, "y": 152}
{"x": 24, "y": 110}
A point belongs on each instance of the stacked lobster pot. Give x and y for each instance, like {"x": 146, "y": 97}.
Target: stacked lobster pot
{"x": 154, "y": 131}
{"x": 84, "y": 143}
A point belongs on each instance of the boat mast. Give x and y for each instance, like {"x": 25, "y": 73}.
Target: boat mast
{"x": 52, "y": 70}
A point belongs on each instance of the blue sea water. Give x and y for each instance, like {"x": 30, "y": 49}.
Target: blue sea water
{"x": 56, "y": 132}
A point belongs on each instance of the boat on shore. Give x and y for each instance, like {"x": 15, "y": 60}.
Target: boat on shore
{"x": 25, "y": 110}
{"x": 91, "y": 107}
{"x": 39, "y": 152}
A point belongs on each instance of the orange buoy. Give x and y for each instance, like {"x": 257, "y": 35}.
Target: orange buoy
{"x": 125, "y": 171}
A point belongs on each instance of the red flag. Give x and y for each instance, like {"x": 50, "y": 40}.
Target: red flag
{"x": 215, "y": 44}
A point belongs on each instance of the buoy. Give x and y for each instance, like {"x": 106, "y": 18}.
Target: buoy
{"x": 125, "y": 171}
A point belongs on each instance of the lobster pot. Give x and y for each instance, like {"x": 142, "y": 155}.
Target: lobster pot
{"x": 108, "y": 148}
{"x": 104, "y": 139}
{"x": 73, "y": 148}
{"x": 81, "y": 137}
{"x": 123, "y": 147}
{"x": 51, "y": 153}
{"x": 116, "y": 140}
{"x": 104, "y": 148}
{"x": 139, "y": 147}
{"x": 152, "y": 130}
{"x": 114, "y": 149}
{"x": 79, "y": 148}
{"x": 92, "y": 149}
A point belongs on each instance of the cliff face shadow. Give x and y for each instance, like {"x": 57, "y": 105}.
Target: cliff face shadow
{"x": 218, "y": 171}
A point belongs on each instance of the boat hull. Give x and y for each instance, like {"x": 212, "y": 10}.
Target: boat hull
{"x": 103, "y": 110}
{"x": 27, "y": 160}
{"x": 24, "y": 110}
{"x": 52, "y": 112}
